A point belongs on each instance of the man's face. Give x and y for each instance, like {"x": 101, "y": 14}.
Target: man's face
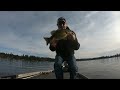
{"x": 62, "y": 24}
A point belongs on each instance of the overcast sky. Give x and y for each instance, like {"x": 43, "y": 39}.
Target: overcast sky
{"x": 22, "y": 32}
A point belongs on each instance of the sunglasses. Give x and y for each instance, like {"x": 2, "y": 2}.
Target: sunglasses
{"x": 61, "y": 22}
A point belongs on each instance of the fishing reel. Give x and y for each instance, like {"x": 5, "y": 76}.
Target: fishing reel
{"x": 65, "y": 67}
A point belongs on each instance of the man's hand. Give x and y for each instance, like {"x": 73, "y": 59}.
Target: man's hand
{"x": 71, "y": 36}
{"x": 53, "y": 43}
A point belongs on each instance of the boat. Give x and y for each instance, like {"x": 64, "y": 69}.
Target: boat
{"x": 41, "y": 75}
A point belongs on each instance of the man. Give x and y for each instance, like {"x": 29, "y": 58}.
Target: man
{"x": 65, "y": 51}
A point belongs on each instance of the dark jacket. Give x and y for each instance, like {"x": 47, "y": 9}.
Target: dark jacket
{"x": 65, "y": 47}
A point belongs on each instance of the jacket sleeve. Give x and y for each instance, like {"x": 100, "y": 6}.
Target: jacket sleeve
{"x": 75, "y": 43}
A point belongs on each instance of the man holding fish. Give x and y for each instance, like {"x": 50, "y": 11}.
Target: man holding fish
{"x": 64, "y": 42}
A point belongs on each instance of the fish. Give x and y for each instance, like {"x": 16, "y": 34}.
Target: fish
{"x": 57, "y": 35}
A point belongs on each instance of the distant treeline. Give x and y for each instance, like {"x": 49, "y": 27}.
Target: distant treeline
{"x": 34, "y": 58}
{"x": 97, "y": 58}
{"x": 24, "y": 57}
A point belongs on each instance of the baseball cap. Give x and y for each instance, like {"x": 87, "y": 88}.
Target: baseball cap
{"x": 61, "y": 20}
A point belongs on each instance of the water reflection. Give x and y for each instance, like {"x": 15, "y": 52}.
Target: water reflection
{"x": 101, "y": 69}
{"x": 23, "y": 66}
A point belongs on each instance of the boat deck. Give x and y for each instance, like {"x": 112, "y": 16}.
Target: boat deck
{"x": 41, "y": 75}
{"x": 52, "y": 76}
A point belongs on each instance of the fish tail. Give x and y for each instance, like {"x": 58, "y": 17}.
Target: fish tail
{"x": 47, "y": 40}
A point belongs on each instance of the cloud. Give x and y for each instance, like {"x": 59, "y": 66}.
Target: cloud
{"x": 23, "y": 31}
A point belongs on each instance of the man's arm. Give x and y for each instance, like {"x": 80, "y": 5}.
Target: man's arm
{"x": 52, "y": 48}
{"x": 74, "y": 41}
{"x": 53, "y": 45}
{"x": 76, "y": 44}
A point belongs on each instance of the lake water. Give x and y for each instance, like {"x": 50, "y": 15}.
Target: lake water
{"x": 93, "y": 69}
{"x": 101, "y": 69}
{"x": 11, "y": 67}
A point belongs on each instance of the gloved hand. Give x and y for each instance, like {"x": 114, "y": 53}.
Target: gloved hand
{"x": 71, "y": 36}
{"x": 53, "y": 42}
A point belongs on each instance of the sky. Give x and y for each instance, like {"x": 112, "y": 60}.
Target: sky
{"x": 22, "y": 32}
